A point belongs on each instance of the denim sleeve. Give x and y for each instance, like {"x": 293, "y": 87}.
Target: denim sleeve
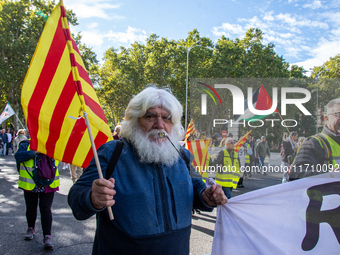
{"x": 79, "y": 196}
{"x": 199, "y": 202}
{"x": 23, "y": 155}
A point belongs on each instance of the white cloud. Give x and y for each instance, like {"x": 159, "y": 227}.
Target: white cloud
{"x": 268, "y": 16}
{"x": 331, "y": 17}
{"x": 93, "y": 25}
{"x": 92, "y": 38}
{"x": 255, "y": 22}
{"x": 98, "y": 10}
{"x": 321, "y": 53}
{"x": 315, "y": 5}
{"x": 292, "y": 21}
{"x": 130, "y": 36}
{"x": 228, "y": 28}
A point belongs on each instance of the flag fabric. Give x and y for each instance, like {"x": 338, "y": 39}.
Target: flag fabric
{"x": 199, "y": 148}
{"x": 7, "y": 112}
{"x": 55, "y": 93}
{"x": 299, "y": 217}
{"x": 261, "y": 101}
{"x": 190, "y": 130}
{"x": 239, "y": 144}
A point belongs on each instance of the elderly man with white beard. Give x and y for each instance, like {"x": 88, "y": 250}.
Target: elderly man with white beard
{"x": 150, "y": 189}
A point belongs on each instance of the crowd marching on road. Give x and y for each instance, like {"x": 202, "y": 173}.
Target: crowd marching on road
{"x": 148, "y": 144}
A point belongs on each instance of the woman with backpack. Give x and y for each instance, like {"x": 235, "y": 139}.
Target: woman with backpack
{"x": 37, "y": 190}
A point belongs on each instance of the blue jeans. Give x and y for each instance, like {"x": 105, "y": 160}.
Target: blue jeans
{"x": 261, "y": 163}
{"x": 227, "y": 191}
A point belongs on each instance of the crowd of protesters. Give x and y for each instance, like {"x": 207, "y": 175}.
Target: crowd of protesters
{"x": 10, "y": 139}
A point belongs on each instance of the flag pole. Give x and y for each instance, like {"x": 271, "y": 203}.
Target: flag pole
{"x": 282, "y": 120}
{"x": 95, "y": 155}
{"x": 20, "y": 121}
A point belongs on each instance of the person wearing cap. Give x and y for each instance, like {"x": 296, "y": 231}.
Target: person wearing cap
{"x": 262, "y": 150}
{"x": 228, "y": 167}
{"x": 150, "y": 190}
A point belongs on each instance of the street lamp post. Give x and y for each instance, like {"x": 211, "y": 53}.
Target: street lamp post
{"x": 317, "y": 97}
{"x": 186, "y": 89}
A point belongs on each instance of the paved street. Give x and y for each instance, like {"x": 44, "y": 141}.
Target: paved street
{"x": 70, "y": 236}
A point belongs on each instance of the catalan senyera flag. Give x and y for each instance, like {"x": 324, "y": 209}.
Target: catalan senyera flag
{"x": 55, "y": 93}
{"x": 239, "y": 144}
{"x": 199, "y": 148}
{"x": 191, "y": 129}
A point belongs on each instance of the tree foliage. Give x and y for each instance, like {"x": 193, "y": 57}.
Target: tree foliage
{"x": 163, "y": 62}
{"x": 21, "y": 24}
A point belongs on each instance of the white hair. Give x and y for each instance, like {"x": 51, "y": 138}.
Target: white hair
{"x": 331, "y": 103}
{"x": 152, "y": 97}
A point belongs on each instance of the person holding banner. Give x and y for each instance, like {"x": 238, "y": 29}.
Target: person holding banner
{"x": 149, "y": 189}
{"x": 228, "y": 165}
{"x": 320, "y": 153}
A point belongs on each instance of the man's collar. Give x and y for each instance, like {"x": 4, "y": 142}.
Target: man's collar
{"x": 332, "y": 134}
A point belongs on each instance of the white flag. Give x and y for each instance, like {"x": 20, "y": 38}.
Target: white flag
{"x": 8, "y": 112}
{"x": 299, "y": 217}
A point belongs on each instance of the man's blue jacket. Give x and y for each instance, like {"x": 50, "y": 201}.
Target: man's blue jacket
{"x": 153, "y": 208}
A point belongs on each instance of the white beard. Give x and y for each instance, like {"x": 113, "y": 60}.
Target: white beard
{"x": 155, "y": 151}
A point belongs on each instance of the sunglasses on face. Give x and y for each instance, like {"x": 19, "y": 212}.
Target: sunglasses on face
{"x": 231, "y": 142}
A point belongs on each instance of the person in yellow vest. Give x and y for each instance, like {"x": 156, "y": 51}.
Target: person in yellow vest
{"x": 35, "y": 194}
{"x": 245, "y": 162}
{"x": 228, "y": 168}
{"x": 319, "y": 153}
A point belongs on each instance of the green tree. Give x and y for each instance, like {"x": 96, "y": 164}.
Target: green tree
{"x": 21, "y": 24}
{"x": 328, "y": 83}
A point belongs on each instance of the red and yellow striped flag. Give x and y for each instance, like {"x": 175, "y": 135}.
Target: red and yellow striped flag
{"x": 239, "y": 144}
{"x": 199, "y": 148}
{"x": 191, "y": 129}
{"x": 55, "y": 93}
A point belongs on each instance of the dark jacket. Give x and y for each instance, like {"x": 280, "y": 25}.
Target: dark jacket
{"x": 262, "y": 149}
{"x": 153, "y": 204}
{"x": 310, "y": 155}
{"x": 4, "y": 137}
{"x": 287, "y": 151}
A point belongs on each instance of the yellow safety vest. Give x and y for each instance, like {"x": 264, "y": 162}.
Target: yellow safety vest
{"x": 335, "y": 149}
{"x": 25, "y": 180}
{"x": 205, "y": 173}
{"x": 247, "y": 159}
{"x": 229, "y": 175}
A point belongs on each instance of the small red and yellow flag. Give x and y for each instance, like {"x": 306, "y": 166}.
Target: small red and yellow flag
{"x": 239, "y": 144}
{"x": 199, "y": 148}
{"x": 56, "y": 92}
{"x": 191, "y": 130}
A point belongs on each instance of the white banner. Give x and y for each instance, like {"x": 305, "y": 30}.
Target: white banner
{"x": 8, "y": 112}
{"x": 299, "y": 217}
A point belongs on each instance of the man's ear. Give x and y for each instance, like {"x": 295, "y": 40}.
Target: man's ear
{"x": 326, "y": 118}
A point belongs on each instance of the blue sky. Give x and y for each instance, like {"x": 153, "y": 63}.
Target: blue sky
{"x": 305, "y": 32}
